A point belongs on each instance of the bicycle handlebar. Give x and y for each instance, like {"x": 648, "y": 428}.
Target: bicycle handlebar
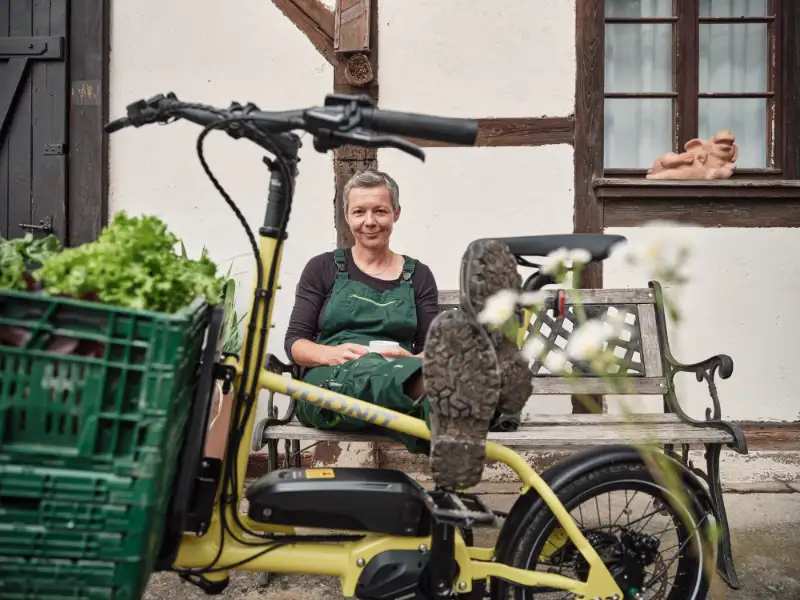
{"x": 344, "y": 119}
{"x": 426, "y": 127}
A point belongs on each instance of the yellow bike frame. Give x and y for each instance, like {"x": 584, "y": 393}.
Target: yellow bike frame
{"x": 346, "y": 560}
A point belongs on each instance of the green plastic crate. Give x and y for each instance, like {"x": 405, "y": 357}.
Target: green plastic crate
{"x": 51, "y": 579}
{"x": 89, "y": 441}
{"x": 112, "y": 413}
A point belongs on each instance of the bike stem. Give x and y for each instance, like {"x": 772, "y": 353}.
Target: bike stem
{"x": 278, "y": 197}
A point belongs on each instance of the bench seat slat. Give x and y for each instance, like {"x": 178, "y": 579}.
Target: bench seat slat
{"x": 596, "y": 385}
{"x": 538, "y": 434}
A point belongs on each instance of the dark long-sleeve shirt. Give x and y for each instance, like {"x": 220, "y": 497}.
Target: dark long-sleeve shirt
{"x": 316, "y": 284}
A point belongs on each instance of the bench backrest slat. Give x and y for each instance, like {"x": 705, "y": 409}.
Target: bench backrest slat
{"x": 637, "y": 350}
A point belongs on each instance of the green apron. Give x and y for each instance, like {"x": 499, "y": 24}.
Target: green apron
{"x": 357, "y": 314}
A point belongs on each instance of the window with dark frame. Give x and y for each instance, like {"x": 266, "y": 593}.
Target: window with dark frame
{"x": 675, "y": 70}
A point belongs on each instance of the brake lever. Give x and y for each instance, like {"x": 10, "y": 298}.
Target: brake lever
{"x": 360, "y": 137}
{"x": 152, "y": 110}
{"x": 392, "y": 141}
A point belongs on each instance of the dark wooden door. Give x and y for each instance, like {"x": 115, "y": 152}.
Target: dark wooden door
{"x": 34, "y": 113}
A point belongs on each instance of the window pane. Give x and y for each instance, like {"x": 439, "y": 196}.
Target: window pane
{"x": 746, "y": 118}
{"x": 638, "y": 8}
{"x": 636, "y": 131}
{"x": 733, "y": 58}
{"x": 734, "y": 8}
{"x": 638, "y": 57}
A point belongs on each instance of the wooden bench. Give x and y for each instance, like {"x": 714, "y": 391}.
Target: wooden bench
{"x": 641, "y": 352}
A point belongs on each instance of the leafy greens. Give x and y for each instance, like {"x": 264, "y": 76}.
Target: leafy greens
{"x": 132, "y": 264}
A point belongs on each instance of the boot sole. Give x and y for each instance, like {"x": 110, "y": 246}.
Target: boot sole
{"x": 463, "y": 383}
{"x": 488, "y": 268}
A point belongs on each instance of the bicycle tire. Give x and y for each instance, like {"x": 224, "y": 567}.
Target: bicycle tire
{"x": 538, "y": 528}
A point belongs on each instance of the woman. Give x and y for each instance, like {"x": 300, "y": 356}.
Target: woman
{"x": 348, "y": 298}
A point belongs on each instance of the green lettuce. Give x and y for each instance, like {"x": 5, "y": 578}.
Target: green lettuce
{"x": 132, "y": 264}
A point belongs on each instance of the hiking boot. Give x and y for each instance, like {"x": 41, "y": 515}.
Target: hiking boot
{"x": 462, "y": 382}
{"x": 487, "y": 268}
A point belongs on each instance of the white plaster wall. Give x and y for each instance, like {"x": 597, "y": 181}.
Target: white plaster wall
{"x": 252, "y": 54}
{"x": 741, "y": 301}
{"x": 476, "y": 58}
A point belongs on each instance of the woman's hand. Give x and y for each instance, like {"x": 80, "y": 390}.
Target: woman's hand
{"x": 338, "y": 355}
{"x": 397, "y": 352}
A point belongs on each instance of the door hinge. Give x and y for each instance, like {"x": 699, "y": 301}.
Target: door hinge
{"x": 44, "y": 226}
{"x": 54, "y": 148}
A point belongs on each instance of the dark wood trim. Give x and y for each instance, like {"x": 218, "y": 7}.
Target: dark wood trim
{"x": 351, "y": 31}
{"x": 88, "y": 143}
{"x": 728, "y": 203}
{"x": 643, "y": 189}
{"x": 790, "y": 55}
{"x": 314, "y": 20}
{"x": 589, "y": 115}
{"x": 705, "y": 213}
{"x": 316, "y": 10}
{"x": 348, "y": 160}
{"x": 686, "y": 73}
{"x": 535, "y": 131}
{"x": 771, "y": 174}
{"x": 771, "y": 436}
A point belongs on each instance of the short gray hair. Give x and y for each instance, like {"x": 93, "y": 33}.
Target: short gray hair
{"x": 370, "y": 178}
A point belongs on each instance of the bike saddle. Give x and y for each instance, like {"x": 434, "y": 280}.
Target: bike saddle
{"x": 598, "y": 245}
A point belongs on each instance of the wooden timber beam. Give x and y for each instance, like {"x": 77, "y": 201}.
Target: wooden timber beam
{"x": 588, "y": 217}
{"x": 348, "y": 160}
{"x": 314, "y": 20}
{"x": 536, "y": 131}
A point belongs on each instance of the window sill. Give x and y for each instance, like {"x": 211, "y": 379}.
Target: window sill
{"x": 640, "y": 188}
{"x": 736, "y": 202}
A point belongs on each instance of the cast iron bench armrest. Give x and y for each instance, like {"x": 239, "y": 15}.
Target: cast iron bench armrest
{"x": 704, "y": 370}
{"x": 275, "y": 365}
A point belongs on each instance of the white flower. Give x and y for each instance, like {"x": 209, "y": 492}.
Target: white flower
{"x": 661, "y": 243}
{"x": 579, "y": 256}
{"x": 532, "y": 349}
{"x": 554, "y": 261}
{"x": 528, "y": 299}
{"x": 499, "y": 308}
{"x": 555, "y": 361}
{"x": 615, "y": 322}
{"x": 564, "y": 259}
{"x": 586, "y": 342}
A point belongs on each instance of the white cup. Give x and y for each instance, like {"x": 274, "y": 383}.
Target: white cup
{"x": 378, "y": 346}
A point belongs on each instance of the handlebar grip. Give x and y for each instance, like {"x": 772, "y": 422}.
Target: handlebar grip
{"x": 426, "y": 127}
{"x": 117, "y": 124}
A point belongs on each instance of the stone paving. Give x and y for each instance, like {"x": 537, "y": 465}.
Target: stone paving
{"x": 766, "y": 538}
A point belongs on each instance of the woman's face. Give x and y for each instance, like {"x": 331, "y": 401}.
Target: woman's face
{"x": 370, "y": 216}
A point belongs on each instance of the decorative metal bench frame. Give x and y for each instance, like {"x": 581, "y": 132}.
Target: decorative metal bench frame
{"x": 642, "y": 352}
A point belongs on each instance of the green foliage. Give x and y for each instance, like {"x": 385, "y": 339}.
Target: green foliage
{"x": 132, "y": 264}
{"x": 17, "y": 254}
{"x": 231, "y": 331}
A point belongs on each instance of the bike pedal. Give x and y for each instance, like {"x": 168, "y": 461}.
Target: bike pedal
{"x": 460, "y": 509}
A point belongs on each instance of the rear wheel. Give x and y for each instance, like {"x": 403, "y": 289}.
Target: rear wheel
{"x": 630, "y": 521}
